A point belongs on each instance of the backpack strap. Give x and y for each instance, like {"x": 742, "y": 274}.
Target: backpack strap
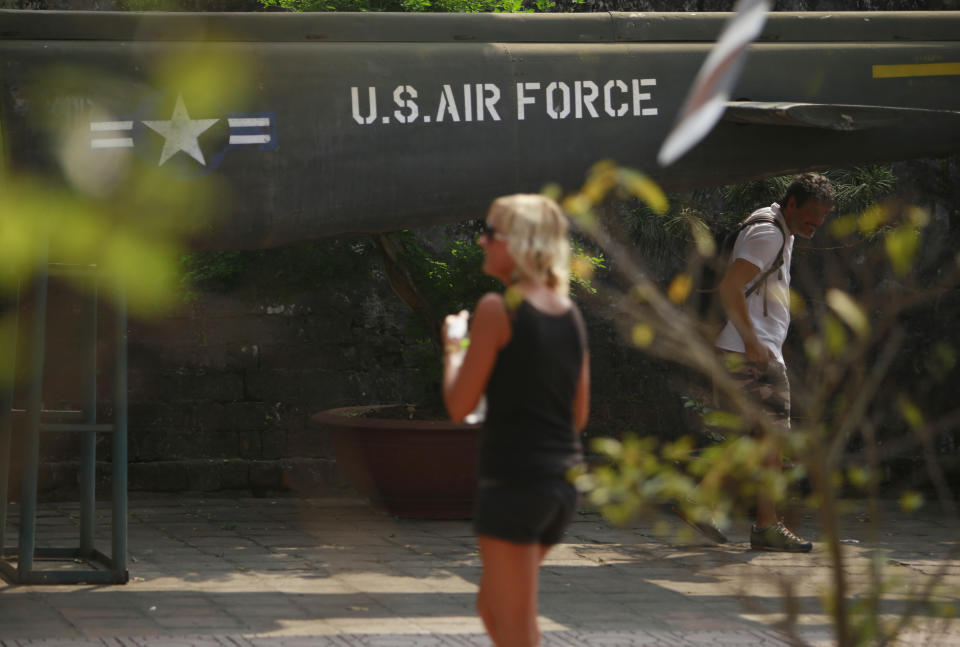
{"x": 777, "y": 262}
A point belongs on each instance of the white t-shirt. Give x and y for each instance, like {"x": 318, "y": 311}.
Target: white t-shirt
{"x": 759, "y": 245}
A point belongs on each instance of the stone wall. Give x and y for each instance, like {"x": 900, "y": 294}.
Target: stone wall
{"x": 222, "y": 386}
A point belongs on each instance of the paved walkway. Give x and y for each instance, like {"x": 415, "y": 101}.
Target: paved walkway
{"x": 269, "y": 572}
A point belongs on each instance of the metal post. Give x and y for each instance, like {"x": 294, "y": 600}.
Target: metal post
{"x": 119, "y": 544}
{"x": 31, "y": 440}
{"x": 88, "y": 439}
{"x": 8, "y": 364}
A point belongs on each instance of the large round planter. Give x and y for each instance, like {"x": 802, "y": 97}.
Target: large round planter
{"x": 425, "y": 469}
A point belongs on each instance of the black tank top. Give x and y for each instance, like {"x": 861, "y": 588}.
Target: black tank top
{"x": 529, "y": 432}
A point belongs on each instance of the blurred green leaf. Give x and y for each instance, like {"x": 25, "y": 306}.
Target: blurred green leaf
{"x": 702, "y": 238}
{"x": 679, "y": 288}
{"x": 902, "y": 244}
{"x": 873, "y": 218}
{"x": 910, "y": 412}
{"x": 858, "y": 476}
{"x": 835, "y": 336}
{"x": 723, "y": 419}
{"x": 646, "y": 189}
{"x": 911, "y": 501}
{"x": 850, "y": 311}
{"x": 607, "y": 446}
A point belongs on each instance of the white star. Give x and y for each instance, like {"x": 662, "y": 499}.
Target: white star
{"x": 180, "y": 133}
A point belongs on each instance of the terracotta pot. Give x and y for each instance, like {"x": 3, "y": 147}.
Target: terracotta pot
{"x": 425, "y": 469}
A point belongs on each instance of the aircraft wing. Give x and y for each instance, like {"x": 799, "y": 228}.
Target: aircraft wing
{"x": 287, "y": 127}
{"x": 832, "y": 116}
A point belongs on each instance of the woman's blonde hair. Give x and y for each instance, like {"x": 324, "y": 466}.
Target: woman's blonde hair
{"x": 535, "y": 228}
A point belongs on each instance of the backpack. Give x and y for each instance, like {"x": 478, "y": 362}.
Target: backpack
{"x": 709, "y": 308}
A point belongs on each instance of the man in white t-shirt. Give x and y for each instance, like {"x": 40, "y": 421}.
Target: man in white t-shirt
{"x": 758, "y": 319}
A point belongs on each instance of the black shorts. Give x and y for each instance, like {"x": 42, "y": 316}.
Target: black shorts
{"x": 525, "y": 513}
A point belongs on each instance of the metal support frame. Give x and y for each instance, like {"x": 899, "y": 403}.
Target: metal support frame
{"x": 113, "y": 568}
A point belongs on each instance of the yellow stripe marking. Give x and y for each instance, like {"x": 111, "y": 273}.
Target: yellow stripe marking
{"x": 919, "y": 69}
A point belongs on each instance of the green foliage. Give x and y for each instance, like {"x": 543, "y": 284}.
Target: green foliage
{"x": 211, "y": 271}
{"x": 440, "y": 6}
{"x": 663, "y": 241}
{"x": 335, "y": 5}
{"x": 444, "y": 267}
{"x": 640, "y": 473}
{"x": 861, "y": 187}
{"x": 856, "y": 189}
{"x": 297, "y": 267}
{"x": 584, "y": 265}
{"x": 742, "y": 199}
{"x": 449, "y": 275}
{"x": 850, "y": 320}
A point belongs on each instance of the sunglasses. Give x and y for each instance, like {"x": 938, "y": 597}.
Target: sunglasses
{"x": 489, "y": 232}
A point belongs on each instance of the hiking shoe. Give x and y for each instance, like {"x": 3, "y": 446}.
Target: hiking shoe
{"x": 708, "y": 530}
{"x": 778, "y": 537}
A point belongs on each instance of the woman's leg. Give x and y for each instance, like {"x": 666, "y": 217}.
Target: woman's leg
{"x": 507, "y": 600}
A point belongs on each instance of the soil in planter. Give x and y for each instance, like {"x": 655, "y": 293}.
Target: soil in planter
{"x": 406, "y": 412}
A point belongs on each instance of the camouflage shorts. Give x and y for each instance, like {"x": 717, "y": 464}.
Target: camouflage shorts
{"x": 768, "y": 386}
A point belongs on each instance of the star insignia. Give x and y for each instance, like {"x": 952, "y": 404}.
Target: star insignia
{"x": 180, "y": 133}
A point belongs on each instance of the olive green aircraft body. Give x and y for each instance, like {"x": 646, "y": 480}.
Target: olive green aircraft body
{"x": 325, "y": 123}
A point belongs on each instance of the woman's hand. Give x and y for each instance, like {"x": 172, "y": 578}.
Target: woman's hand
{"x": 454, "y": 332}
{"x": 465, "y": 374}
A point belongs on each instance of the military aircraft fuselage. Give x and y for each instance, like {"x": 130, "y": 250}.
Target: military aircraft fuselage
{"x": 319, "y": 124}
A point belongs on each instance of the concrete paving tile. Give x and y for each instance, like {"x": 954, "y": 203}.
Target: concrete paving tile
{"x": 463, "y": 624}
{"x": 611, "y": 578}
{"x": 269, "y": 611}
{"x": 355, "y": 564}
{"x": 13, "y": 606}
{"x": 384, "y": 583}
{"x": 172, "y": 641}
{"x": 56, "y": 642}
{"x": 266, "y": 564}
{"x": 119, "y": 626}
{"x": 281, "y": 542}
{"x": 92, "y": 600}
{"x": 197, "y": 624}
{"x": 423, "y": 606}
{"x": 475, "y": 639}
{"x": 107, "y": 613}
{"x": 226, "y": 542}
{"x": 406, "y": 641}
{"x": 352, "y": 605}
{"x": 26, "y": 629}
{"x": 293, "y": 641}
{"x": 311, "y": 585}
{"x": 343, "y": 552}
{"x": 737, "y": 638}
{"x": 426, "y": 565}
{"x": 611, "y": 638}
{"x": 384, "y": 626}
{"x": 294, "y": 628}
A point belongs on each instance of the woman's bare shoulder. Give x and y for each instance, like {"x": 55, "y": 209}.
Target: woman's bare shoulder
{"x": 492, "y": 319}
{"x": 491, "y": 300}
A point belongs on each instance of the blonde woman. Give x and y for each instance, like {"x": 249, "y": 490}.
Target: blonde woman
{"x": 528, "y": 354}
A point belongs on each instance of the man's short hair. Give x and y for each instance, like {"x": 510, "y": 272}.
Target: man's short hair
{"x": 806, "y": 186}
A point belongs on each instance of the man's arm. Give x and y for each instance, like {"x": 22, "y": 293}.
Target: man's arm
{"x": 731, "y": 290}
